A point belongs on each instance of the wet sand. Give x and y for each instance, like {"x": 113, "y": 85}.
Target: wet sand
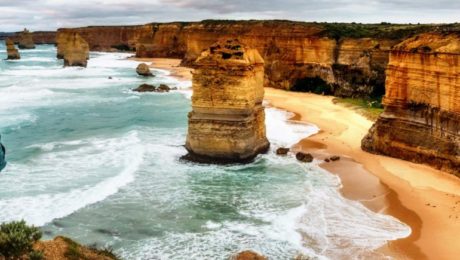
{"x": 426, "y": 199}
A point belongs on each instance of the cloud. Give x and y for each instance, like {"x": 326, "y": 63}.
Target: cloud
{"x": 52, "y": 14}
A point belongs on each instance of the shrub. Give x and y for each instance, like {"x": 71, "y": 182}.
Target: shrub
{"x": 36, "y": 255}
{"x": 17, "y": 239}
{"x": 104, "y": 251}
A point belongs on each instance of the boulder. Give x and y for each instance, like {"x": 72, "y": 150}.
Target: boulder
{"x": 12, "y": 52}
{"x": 335, "y": 158}
{"x": 26, "y": 40}
{"x": 248, "y": 255}
{"x": 163, "y": 88}
{"x": 304, "y": 157}
{"x": 151, "y": 88}
{"x": 282, "y": 151}
{"x": 143, "y": 70}
{"x": 145, "y": 88}
{"x": 76, "y": 51}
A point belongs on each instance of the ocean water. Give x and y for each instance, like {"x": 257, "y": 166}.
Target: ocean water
{"x": 90, "y": 159}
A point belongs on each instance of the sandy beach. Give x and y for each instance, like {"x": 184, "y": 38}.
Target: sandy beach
{"x": 426, "y": 199}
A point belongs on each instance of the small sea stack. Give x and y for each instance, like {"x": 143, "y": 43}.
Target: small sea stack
{"x": 75, "y": 50}
{"x": 227, "y": 122}
{"x": 12, "y": 52}
{"x": 26, "y": 40}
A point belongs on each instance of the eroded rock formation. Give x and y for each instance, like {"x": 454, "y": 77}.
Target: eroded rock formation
{"x": 73, "y": 49}
{"x": 26, "y": 41}
{"x": 297, "y": 55}
{"x": 421, "y": 121}
{"x": 227, "y": 122}
{"x": 143, "y": 70}
{"x": 11, "y": 51}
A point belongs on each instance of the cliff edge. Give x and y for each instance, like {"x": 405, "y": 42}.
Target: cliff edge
{"x": 421, "y": 120}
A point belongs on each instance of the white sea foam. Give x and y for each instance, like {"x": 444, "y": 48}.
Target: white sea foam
{"x": 14, "y": 96}
{"x": 327, "y": 224}
{"x": 8, "y": 119}
{"x": 44, "y": 206}
{"x": 282, "y": 132}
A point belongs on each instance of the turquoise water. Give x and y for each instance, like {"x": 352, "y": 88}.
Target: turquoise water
{"x": 90, "y": 159}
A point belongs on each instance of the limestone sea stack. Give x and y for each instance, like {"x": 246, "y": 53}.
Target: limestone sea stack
{"x": 227, "y": 122}
{"x": 12, "y": 52}
{"x": 26, "y": 40}
{"x": 74, "y": 49}
{"x": 421, "y": 121}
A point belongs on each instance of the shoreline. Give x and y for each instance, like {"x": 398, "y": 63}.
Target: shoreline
{"x": 382, "y": 184}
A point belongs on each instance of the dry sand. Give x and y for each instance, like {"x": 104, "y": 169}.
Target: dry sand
{"x": 172, "y": 65}
{"x": 426, "y": 199}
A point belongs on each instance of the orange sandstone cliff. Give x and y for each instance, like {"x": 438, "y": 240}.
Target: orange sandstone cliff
{"x": 297, "y": 55}
{"x": 73, "y": 49}
{"x": 227, "y": 122}
{"x": 421, "y": 121}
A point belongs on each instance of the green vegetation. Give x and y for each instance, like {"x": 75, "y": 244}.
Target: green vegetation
{"x": 382, "y": 30}
{"x": 105, "y": 251}
{"x": 370, "y": 108}
{"x": 17, "y": 239}
{"x": 36, "y": 255}
{"x": 75, "y": 251}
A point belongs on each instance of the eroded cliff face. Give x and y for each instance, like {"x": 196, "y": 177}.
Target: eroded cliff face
{"x": 39, "y": 37}
{"x": 293, "y": 53}
{"x": 421, "y": 121}
{"x": 111, "y": 38}
{"x": 227, "y": 122}
{"x": 297, "y": 56}
{"x": 26, "y": 40}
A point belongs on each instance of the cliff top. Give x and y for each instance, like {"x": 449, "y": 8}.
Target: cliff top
{"x": 229, "y": 53}
{"x": 433, "y": 42}
{"x": 333, "y": 30}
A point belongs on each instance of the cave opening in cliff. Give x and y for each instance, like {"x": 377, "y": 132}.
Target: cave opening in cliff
{"x": 312, "y": 84}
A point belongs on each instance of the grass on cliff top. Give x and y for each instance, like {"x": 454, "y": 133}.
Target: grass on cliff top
{"x": 369, "y": 108}
{"x": 338, "y": 31}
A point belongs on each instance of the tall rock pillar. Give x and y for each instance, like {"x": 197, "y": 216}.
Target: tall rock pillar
{"x": 227, "y": 122}
{"x": 73, "y": 49}
{"x": 11, "y": 51}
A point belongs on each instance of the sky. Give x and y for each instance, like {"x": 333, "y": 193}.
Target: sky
{"x": 53, "y": 14}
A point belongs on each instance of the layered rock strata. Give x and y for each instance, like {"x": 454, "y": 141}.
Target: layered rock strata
{"x": 39, "y": 37}
{"x": 227, "y": 122}
{"x": 421, "y": 121}
{"x": 26, "y": 40}
{"x": 11, "y": 51}
{"x": 297, "y": 55}
{"x": 73, "y": 49}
